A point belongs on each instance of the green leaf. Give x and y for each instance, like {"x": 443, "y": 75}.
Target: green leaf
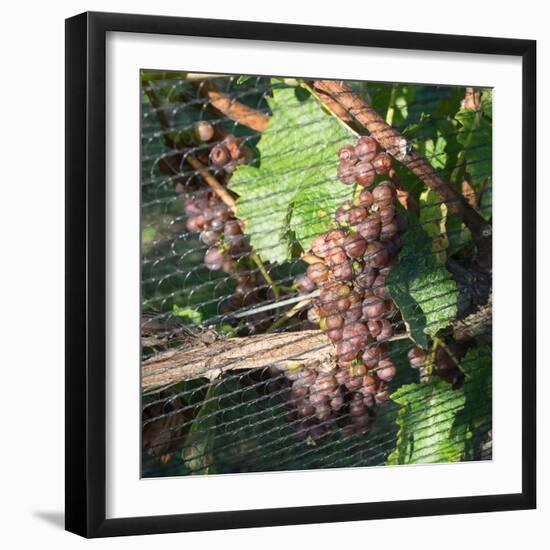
{"x": 294, "y": 191}
{"x": 457, "y": 233}
{"x": 487, "y": 103}
{"x": 421, "y": 287}
{"x": 426, "y": 419}
{"x": 198, "y": 451}
{"x": 475, "y": 136}
{"x": 187, "y": 313}
{"x": 477, "y": 413}
{"x": 243, "y": 79}
{"x": 435, "y": 152}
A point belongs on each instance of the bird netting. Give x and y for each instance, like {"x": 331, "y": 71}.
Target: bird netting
{"x": 316, "y": 273}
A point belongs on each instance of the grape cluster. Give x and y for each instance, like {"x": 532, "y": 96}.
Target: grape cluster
{"x": 349, "y": 265}
{"x": 211, "y": 146}
{"x": 228, "y": 247}
{"x": 361, "y": 162}
{"x": 229, "y": 153}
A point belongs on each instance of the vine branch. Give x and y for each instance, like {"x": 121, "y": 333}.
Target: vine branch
{"x": 398, "y": 146}
{"x": 236, "y": 111}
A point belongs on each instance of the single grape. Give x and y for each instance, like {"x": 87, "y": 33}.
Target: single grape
{"x": 365, "y": 198}
{"x": 299, "y": 391}
{"x": 343, "y": 271}
{"x": 319, "y": 246}
{"x": 203, "y": 130}
{"x": 217, "y": 224}
{"x": 389, "y": 231}
{"x": 342, "y": 376}
{"x": 357, "y": 407}
{"x": 382, "y": 396}
{"x": 209, "y": 237}
{"x": 214, "y": 258}
{"x": 304, "y": 283}
{"x": 363, "y": 422}
{"x": 376, "y": 255}
{"x": 366, "y": 148}
{"x": 386, "y": 370}
{"x": 232, "y": 144}
{"x": 345, "y": 351}
{"x": 337, "y": 401}
{"x": 305, "y": 409}
{"x": 368, "y": 401}
{"x": 387, "y": 214}
{"x": 317, "y": 273}
{"x": 357, "y": 334}
{"x": 229, "y": 265}
{"x": 219, "y": 155}
{"x": 346, "y": 173}
{"x": 336, "y": 257}
{"x": 355, "y": 310}
{"x": 384, "y": 193}
{"x": 307, "y": 376}
{"x": 335, "y": 238}
{"x": 326, "y": 384}
{"x": 232, "y": 228}
{"x": 379, "y": 288}
{"x": 382, "y": 163}
{"x": 342, "y": 213}
{"x": 366, "y": 279}
{"x": 347, "y": 154}
{"x": 194, "y": 224}
{"x": 386, "y": 330}
{"x": 334, "y": 322}
{"x": 313, "y": 315}
{"x": 375, "y": 327}
{"x": 370, "y": 385}
{"x": 371, "y": 356}
{"x": 364, "y": 173}
{"x": 356, "y": 215}
{"x": 317, "y": 398}
{"x": 323, "y": 412}
{"x": 194, "y": 206}
{"x": 370, "y": 228}
{"x": 373, "y": 308}
{"x": 417, "y": 357}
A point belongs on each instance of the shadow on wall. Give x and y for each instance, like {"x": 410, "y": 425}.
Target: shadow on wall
{"x": 57, "y": 519}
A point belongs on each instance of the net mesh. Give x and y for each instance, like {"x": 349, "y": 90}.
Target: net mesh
{"x": 222, "y": 347}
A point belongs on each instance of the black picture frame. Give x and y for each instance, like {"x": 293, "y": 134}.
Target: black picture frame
{"x": 86, "y": 269}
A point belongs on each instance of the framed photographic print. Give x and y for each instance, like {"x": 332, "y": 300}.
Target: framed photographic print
{"x": 300, "y": 274}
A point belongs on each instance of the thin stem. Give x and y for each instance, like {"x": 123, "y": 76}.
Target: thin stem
{"x": 289, "y": 314}
{"x": 219, "y": 189}
{"x": 391, "y": 105}
{"x": 258, "y": 261}
{"x": 438, "y": 342}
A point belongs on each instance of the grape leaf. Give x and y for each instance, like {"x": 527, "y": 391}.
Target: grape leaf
{"x": 435, "y": 151}
{"x": 475, "y": 136}
{"x": 421, "y": 287}
{"x": 198, "y": 450}
{"x": 426, "y": 421}
{"x": 477, "y": 413}
{"x": 294, "y": 191}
